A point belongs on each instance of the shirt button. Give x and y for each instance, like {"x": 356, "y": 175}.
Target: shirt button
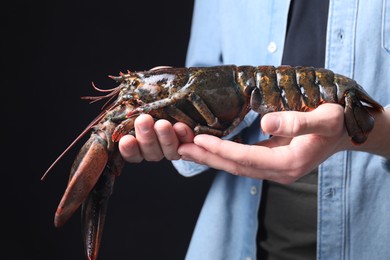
{"x": 248, "y": 258}
{"x": 253, "y": 190}
{"x": 340, "y": 34}
{"x": 272, "y": 47}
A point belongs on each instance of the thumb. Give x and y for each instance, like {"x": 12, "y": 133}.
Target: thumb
{"x": 327, "y": 119}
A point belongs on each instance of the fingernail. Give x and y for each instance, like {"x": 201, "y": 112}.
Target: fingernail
{"x": 199, "y": 137}
{"x": 144, "y": 128}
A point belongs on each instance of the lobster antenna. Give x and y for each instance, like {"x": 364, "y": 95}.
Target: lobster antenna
{"x": 64, "y": 152}
{"x": 97, "y": 119}
{"x": 113, "y": 92}
{"x": 111, "y": 95}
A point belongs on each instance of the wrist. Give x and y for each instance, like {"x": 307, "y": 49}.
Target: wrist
{"x": 378, "y": 141}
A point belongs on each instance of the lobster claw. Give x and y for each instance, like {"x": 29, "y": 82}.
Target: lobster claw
{"x": 94, "y": 208}
{"x": 93, "y": 214}
{"x": 86, "y": 170}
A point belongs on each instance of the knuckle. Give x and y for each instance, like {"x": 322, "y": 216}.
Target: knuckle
{"x": 289, "y": 177}
{"x": 153, "y": 157}
{"x": 246, "y": 163}
{"x": 292, "y": 123}
{"x": 172, "y": 156}
{"x": 134, "y": 159}
{"x": 147, "y": 141}
{"x": 236, "y": 170}
{"x": 299, "y": 124}
{"x": 168, "y": 144}
{"x": 295, "y": 170}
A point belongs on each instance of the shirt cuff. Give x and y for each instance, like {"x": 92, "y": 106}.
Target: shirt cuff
{"x": 188, "y": 168}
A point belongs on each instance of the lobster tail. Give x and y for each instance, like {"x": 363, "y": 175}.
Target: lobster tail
{"x": 358, "y": 107}
{"x": 265, "y": 96}
{"x": 358, "y": 119}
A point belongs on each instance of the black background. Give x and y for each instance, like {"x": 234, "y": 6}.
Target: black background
{"x": 51, "y": 52}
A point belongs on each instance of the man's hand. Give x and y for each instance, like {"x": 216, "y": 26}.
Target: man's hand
{"x": 154, "y": 140}
{"x": 300, "y": 142}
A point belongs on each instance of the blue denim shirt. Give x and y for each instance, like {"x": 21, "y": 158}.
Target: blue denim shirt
{"x": 354, "y": 187}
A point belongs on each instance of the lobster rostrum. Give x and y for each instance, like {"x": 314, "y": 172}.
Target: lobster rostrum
{"x": 212, "y": 100}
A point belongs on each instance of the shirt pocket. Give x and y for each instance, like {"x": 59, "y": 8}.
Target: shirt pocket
{"x": 386, "y": 26}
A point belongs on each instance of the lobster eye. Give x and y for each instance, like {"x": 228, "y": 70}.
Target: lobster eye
{"x": 135, "y": 83}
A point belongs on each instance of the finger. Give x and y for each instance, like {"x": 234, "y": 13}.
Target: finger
{"x": 147, "y": 138}
{"x": 248, "y": 155}
{"x": 183, "y": 132}
{"x": 192, "y": 152}
{"x": 195, "y": 153}
{"x": 167, "y": 139}
{"x": 284, "y": 164}
{"x": 129, "y": 149}
{"x": 275, "y": 141}
{"x": 292, "y": 158}
{"x": 327, "y": 119}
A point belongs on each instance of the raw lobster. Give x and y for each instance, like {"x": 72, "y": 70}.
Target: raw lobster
{"x": 211, "y": 100}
